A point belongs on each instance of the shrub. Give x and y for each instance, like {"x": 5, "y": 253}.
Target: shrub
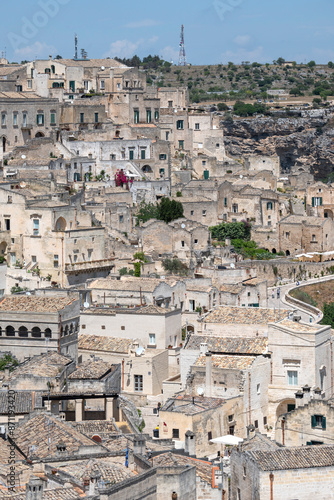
{"x": 299, "y": 294}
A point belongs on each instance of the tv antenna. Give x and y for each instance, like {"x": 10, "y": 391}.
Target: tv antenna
{"x": 182, "y": 56}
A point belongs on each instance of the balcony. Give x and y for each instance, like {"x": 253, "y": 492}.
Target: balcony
{"x": 89, "y": 266}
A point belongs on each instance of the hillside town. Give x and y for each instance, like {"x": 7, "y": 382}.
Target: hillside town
{"x": 166, "y": 282}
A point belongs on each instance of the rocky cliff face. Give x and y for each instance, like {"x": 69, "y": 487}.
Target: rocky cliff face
{"x": 299, "y": 141}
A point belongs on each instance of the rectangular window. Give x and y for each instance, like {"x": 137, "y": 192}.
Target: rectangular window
{"x": 56, "y": 261}
{"x": 225, "y": 202}
{"x": 196, "y": 126}
{"x": 10, "y": 199}
{"x": 204, "y": 213}
{"x": 256, "y": 424}
{"x": 102, "y": 85}
{"x": 143, "y": 154}
{"x": 82, "y": 117}
{"x": 181, "y": 144}
{"x": 121, "y": 219}
{"x": 318, "y": 421}
{"x": 152, "y": 338}
{"x": 96, "y": 118}
{"x": 179, "y": 124}
{"x": 191, "y": 212}
{"x": 317, "y": 201}
{"x": 176, "y": 433}
{"x": 162, "y": 157}
{"x": 156, "y": 115}
{"x": 24, "y": 120}
{"x": 138, "y": 381}
{"x": 148, "y": 116}
{"x": 15, "y": 119}
{"x": 29, "y": 84}
{"x": 40, "y": 119}
{"x": 7, "y": 224}
{"x": 292, "y": 377}
{"x": 167, "y": 136}
{"x": 53, "y": 118}
{"x": 209, "y": 435}
{"x": 72, "y": 86}
{"x": 136, "y": 115}
{"x": 170, "y": 104}
{"x": 162, "y": 173}
{"x": 35, "y": 227}
{"x": 3, "y": 119}
{"x": 264, "y": 420}
{"x": 191, "y": 305}
{"x": 182, "y": 244}
{"x": 131, "y": 154}
{"x": 86, "y": 84}
{"x": 258, "y": 389}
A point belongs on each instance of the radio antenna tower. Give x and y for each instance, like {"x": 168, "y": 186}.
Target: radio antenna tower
{"x": 182, "y": 56}
{"x": 76, "y": 47}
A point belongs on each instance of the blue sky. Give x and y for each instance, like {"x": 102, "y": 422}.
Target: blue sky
{"x": 216, "y": 31}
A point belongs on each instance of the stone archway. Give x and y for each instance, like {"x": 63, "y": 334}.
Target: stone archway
{"x": 61, "y": 224}
{"x": 39, "y": 134}
{"x": 285, "y": 406}
{"x": 3, "y": 249}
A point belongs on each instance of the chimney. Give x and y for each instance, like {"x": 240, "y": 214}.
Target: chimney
{"x": 139, "y": 445}
{"x": 34, "y": 489}
{"x": 208, "y": 374}
{"x": 203, "y": 348}
{"x": 93, "y": 483}
{"x": 190, "y": 444}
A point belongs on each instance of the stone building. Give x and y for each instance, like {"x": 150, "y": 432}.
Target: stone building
{"x": 320, "y": 199}
{"x": 307, "y": 234}
{"x": 301, "y": 355}
{"x": 34, "y": 324}
{"x": 25, "y": 116}
{"x": 155, "y": 327}
{"x": 182, "y": 238}
{"x": 305, "y": 473}
{"x": 310, "y": 423}
{"x": 140, "y": 374}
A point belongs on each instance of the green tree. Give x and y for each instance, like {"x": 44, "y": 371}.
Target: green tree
{"x": 222, "y": 106}
{"x": 328, "y": 318}
{"x": 169, "y": 210}
{"x": 7, "y": 361}
{"x": 280, "y": 61}
{"x": 146, "y": 212}
{"x": 175, "y": 266}
{"x": 231, "y": 230}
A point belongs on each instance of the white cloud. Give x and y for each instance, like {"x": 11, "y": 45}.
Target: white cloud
{"x": 37, "y": 49}
{"x": 127, "y": 48}
{"x": 145, "y": 23}
{"x": 239, "y": 55}
{"x": 242, "y": 39}
{"x": 169, "y": 54}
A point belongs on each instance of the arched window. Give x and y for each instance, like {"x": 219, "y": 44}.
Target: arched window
{"x": 61, "y": 224}
{"x": 53, "y": 68}
{"x": 47, "y": 333}
{"x": 66, "y": 330}
{"x": 71, "y": 328}
{"x": 23, "y": 331}
{"x": 287, "y": 253}
{"x": 269, "y": 205}
{"x": 10, "y": 331}
{"x": 36, "y": 332}
{"x": 0, "y": 331}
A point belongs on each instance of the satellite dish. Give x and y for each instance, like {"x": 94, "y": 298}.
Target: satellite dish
{"x": 200, "y": 391}
{"x": 241, "y": 176}
{"x": 183, "y": 226}
{"x": 233, "y": 265}
{"x": 86, "y": 305}
{"x": 23, "y": 157}
{"x": 140, "y": 351}
{"x": 102, "y": 68}
{"x": 28, "y": 293}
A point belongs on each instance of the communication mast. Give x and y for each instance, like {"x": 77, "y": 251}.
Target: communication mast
{"x": 182, "y": 56}
{"x": 76, "y": 47}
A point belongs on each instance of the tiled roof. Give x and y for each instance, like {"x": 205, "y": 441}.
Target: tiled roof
{"x": 302, "y": 219}
{"x": 130, "y": 284}
{"x": 235, "y": 345}
{"x": 198, "y": 287}
{"x": 44, "y": 432}
{"x": 91, "y": 370}
{"x": 92, "y": 427}
{"x": 227, "y": 362}
{"x": 68, "y": 493}
{"x": 245, "y": 315}
{"x": 118, "y": 444}
{"x": 5, "y": 451}
{"x": 259, "y": 442}
{"x": 110, "y": 472}
{"x": 45, "y": 365}
{"x": 23, "y": 402}
{"x": 24, "y": 303}
{"x": 94, "y": 63}
{"x": 190, "y": 405}
{"x": 234, "y": 289}
{"x": 203, "y": 469}
{"x": 110, "y": 344}
{"x": 303, "y": 457}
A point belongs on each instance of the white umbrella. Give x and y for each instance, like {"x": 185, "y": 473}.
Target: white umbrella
{"x": 228, "y": 440}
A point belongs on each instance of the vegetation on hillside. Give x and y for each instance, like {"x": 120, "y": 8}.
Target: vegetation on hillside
{"x": 167, "y": 210}
{"x": 299, "y": 294}
{"x": 328, "y": 318}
